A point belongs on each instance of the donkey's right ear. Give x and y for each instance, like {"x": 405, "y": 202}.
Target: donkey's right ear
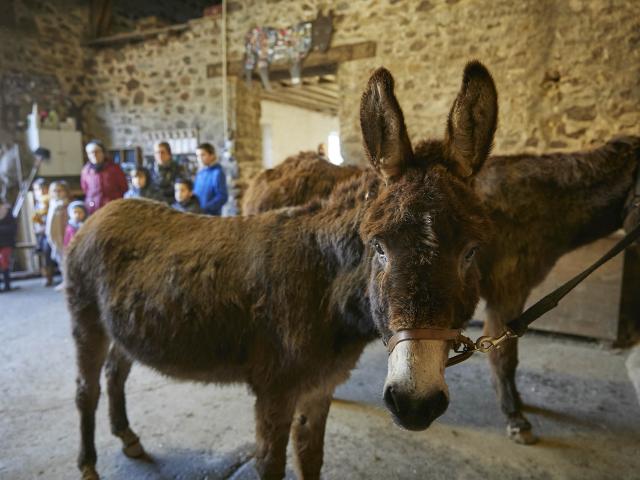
{"x": 385, "y": 136}
{"x": 472, "y": 121}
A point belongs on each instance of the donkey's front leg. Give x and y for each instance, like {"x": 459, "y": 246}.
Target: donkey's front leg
{"x": 274, "y": 413}
{"x": 307, "y": 433}
{"x": 504, "y": 362}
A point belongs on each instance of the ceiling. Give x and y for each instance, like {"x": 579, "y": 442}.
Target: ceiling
{"x": 318, "y": 93}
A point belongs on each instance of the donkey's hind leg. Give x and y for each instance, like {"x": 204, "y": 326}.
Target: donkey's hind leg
{"x": 91, "y": 349}
{"x": 307, "y": 433}
{"x": 504, "y": 362}
{"x": 117, "y": 370}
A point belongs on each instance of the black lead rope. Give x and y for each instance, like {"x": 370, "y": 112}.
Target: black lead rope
{"x": 519, "y": 325}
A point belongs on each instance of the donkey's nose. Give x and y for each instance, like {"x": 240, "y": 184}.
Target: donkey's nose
{"x": 414, "y": 413}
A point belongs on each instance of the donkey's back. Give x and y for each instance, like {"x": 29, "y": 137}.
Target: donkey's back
{"x": 147, "y": 278}
{"x": 296, "y": 181}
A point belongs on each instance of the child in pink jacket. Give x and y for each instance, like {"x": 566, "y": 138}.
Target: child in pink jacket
{"x": 77, "y": 213}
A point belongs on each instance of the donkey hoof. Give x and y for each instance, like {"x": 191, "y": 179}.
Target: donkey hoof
{"x": 89, "y": 473}
{"x": 134, "y": 450}
{"x": 521, "y": 436}
{"x": 131, "y": 445}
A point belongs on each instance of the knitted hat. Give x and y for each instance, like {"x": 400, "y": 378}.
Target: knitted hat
{"x": 76, "y": 204}
{"x": 97, "y": 143}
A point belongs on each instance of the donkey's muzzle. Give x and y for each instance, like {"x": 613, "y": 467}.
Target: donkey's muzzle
{"x": 414, "y": 413}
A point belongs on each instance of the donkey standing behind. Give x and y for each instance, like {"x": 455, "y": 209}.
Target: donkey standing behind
{"x": 541, "y": 206}
{"x": 305, "y": 176}
{"x": 286, "y": 300}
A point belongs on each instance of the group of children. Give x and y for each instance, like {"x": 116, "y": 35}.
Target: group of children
{"x": 168, "y": 183}
{"x": 56, "y": 221}
{"x": 142, "y": 187}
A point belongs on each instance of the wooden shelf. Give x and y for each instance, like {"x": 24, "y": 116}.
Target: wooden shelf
{"x": 316, "y": 63}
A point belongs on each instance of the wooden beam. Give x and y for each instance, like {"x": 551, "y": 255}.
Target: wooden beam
{"x": 298, "y": 102}
{"x": 100, "y": 12}
{"x": 332, "y": 57}
{"x": 326, "y": 90}
{"x": 303, "y": 93}
{"x": 136, "y": 36}
{"x": 284, "y": 74}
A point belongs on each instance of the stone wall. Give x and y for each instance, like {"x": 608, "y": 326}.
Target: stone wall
{"x": 42, "y": 60}
{"x": 567, "y": 71}
{"x": 160, "y": 84}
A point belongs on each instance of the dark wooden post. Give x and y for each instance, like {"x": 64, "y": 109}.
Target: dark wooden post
{"x": 100, "y": 12}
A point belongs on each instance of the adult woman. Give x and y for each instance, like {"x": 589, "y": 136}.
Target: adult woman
{"x": 101, "y": 179}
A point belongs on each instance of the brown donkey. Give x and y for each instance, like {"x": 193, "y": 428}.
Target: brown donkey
{"x": 541, "y": 207}
{"x": 297, "y": 180}
{"x": 286, "y": 300}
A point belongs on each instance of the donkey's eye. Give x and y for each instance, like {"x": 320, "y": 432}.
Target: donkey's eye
{"x": 470, "y": 254}
{"x": 378, "y": 247}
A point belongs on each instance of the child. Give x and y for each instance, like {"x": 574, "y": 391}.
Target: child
{"x": 186, "y": 201}
{"x": 57, "y": 219}
{"x": 8, "y": 228}
{"x": 211, "y": 184}
{"x": 141, "y": 186}
{"x": 77, "y": 213}
{"x": 41, "y": 198}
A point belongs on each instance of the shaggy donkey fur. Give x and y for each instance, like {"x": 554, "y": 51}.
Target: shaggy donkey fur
{"x": 304, "y": 176}
{"x": 542, "y": 206}
{"x": 286, "y": 300}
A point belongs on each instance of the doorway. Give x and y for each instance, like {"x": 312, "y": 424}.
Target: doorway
{"x": 300, "y": 118}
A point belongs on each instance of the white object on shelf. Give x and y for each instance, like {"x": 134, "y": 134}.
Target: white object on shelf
{"x": 182, "y": 141}
{"x": 65, "y": 147}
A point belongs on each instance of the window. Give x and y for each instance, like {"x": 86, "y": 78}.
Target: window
{"x": 334, "y": 149}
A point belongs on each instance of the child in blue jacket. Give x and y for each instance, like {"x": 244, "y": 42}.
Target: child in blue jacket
{"x": 210, "y": 185}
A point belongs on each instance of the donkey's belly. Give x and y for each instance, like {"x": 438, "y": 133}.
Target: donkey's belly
{"x": 183, "y": 348}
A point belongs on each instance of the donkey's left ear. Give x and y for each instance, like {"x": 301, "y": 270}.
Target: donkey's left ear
{"x": 472, "y": 121}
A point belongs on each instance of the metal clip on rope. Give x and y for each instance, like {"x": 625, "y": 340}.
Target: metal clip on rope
{"x": 465, "y": 347}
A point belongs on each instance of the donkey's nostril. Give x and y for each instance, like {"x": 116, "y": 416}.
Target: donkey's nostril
{"x": 390, "y": 400}
{"x": 398, "y": 402}
{"x": 437, "y": 404}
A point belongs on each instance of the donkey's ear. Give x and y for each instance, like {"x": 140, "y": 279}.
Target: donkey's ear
{"x": 383, "y": 130}
{"x": 472, "y": 121}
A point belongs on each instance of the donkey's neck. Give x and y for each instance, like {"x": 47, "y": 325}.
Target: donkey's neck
{"x": 335, "y": 228}
{"x": 568, "y": 199}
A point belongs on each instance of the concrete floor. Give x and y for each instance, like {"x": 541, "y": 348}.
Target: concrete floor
{"x": 581, "y": 401}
